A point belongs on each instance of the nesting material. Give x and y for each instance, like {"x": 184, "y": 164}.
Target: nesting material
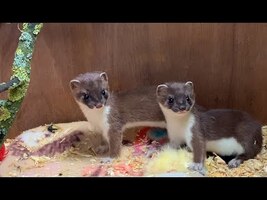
{"x": 35, "y": 138}
{"x": 51, "y": 139}
{"x": 142, "y": 158}
{"x": 80, "y": 159}
{"x": 169, "y": 160}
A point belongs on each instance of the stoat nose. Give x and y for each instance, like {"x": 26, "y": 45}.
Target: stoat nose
{"x": 98, "y": 105}
{"x": 182, "y": 107}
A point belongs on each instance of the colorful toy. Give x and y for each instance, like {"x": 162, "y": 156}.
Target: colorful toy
{"x": 148, "y": 140}
{"x": 158, "y": 134}
{"x": 3, "y": 152}
{"x": 141, "y": 136}
{"x": 148, "y": 134}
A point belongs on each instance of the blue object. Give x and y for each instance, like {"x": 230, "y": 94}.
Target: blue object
{"x": 157, "y": 133}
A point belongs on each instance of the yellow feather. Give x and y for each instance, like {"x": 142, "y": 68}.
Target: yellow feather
{"x": 169, "y": 160}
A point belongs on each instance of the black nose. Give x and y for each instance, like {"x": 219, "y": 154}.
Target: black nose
{"x": 182, "y": 107}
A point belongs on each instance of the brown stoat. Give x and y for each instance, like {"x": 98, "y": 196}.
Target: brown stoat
{"x": 173, "y": 108}
{"x": 111, "y": 114}
{"x": 223, "y": 131}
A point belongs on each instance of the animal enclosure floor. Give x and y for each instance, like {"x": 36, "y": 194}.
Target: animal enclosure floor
{"x": 135, "y": 160}
{"x": 72, "y": 163}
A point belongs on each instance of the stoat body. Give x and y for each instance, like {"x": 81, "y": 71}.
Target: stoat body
{"x": 112, "y": 113}
{"x": 223, "y": 131}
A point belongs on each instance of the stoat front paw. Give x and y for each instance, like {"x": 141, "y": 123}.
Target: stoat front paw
{"x": 175, "y": 145}
{"x": 187, "y": 148}
{"x": 234, "y": 163}
{"x": 106, "y": 160}
{"x": 101, "y": 149}
{"x": 199, "y": 167}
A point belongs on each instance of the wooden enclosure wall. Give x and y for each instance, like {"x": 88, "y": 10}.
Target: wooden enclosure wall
{"x": 226, "y": 62}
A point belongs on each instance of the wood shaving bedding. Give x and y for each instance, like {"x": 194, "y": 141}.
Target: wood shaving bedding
{"x": 80, "y": 161}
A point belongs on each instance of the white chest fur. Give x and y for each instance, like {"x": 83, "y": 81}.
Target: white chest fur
{"x": 98, "y": 118}
{"x": 179, "y": 129}
{"x": 178, "y": 126}
{"x": 225, "y": 147}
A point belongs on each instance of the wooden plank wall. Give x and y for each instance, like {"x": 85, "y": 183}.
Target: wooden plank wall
{"x": 227, "y": 62}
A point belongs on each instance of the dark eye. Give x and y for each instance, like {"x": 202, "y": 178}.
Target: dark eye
{"x": 188, "y": 99}
{"x": 86, "y": 96}
{"x": 170, "y": 100}
{"x": 103, "y": 92}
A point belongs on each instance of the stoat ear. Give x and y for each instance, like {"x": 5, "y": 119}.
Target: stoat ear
{"x": 161, "y": 87}
{"x": 104, "y": 76}
{"x": 74, "y": 84}
{"x": 190, "y": 83}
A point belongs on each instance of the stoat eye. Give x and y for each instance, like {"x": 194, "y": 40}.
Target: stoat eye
{"x": 170, "y": 100}
{"x": 188, "y": 99}
{"x": 103, "y": 92}
{"x": 86, "y": 96}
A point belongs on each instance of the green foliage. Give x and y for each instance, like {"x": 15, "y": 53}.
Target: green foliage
{"x": 18, "y": 92}
{"x": 21, "y": 69}
{"x": 4, "y": 114}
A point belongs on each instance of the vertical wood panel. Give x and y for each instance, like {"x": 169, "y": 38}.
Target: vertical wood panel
{"x": 249, "y": 91}
{"x": 227, "y": 63}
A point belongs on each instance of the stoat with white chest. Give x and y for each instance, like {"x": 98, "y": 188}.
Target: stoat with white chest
{"x": 112, "y": 113}
{"x": 223, "y": 131}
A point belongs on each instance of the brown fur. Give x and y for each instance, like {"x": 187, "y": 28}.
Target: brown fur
{"x": 178, "y": 91}
{"x": 90, "y": 84}
{"x": 225, "y": 123}
{"x": 131, "y": 106}
{"x": 213, "y": 125}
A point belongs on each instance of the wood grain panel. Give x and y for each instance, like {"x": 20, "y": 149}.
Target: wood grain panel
{"x": 226, "y": 62}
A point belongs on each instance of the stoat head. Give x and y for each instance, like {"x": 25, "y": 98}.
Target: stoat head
{"x": 91, "y": 89}
{"x": 179, "y": 97}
